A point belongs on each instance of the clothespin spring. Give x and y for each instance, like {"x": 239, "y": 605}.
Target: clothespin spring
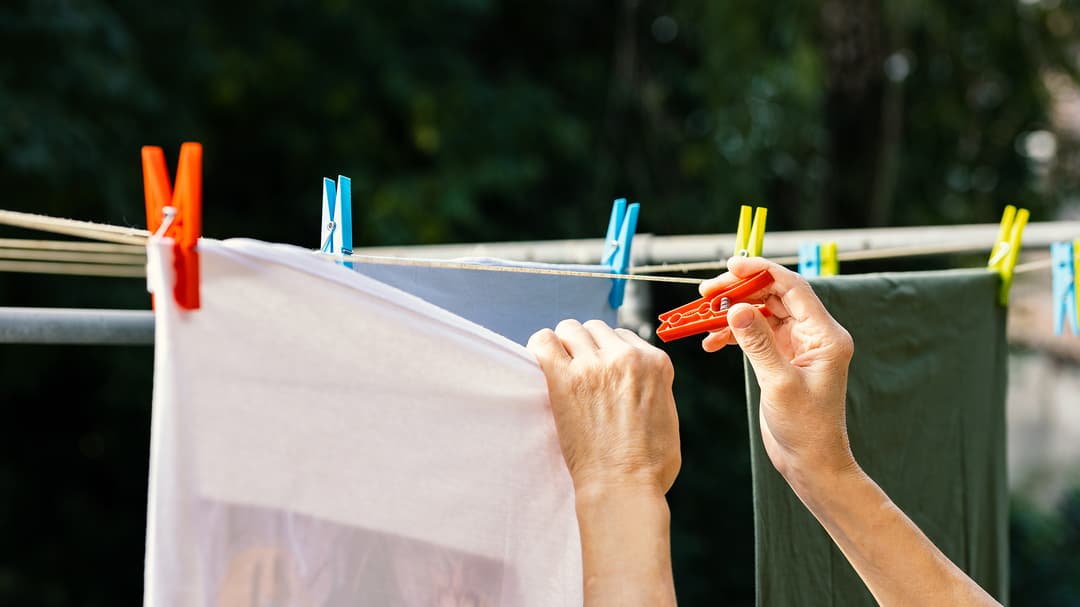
{"x": 330, "y": 227}
{"x": 168, "y": 214}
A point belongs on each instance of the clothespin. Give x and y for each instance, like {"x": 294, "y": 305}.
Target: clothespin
{"x": 337, "y": 218}
{"x": 818, "y": 259}
{"x": 617, "y": 244}
{"x": 830, "y": 263}
{"x": 1007, "y": 248}
{"x": 710, "y": 313}
{"x": 177, "y": 213}
{"x": 749, "y": 238}
{"x": 1063, "y": 257}
{"x": 810, "y": 259}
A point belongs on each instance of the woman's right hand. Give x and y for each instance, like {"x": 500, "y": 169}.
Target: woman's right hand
{"x": 800, "y": 356}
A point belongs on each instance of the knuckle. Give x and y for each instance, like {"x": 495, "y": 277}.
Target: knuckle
{"x": 564, "y": 325}
{"x": 657, "y": 357}
{"x": 667, "y": 369}
{"x": 596, "y": 323}
{"x": 628, "y": 356}
{"x": 845, "y": 343}
{"x": 754, "y": 342}
{"x": 797, "y": 280}
{"x": 542, "y": 336}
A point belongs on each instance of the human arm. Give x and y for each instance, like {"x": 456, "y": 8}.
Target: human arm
{"x": 611, "y": 399}
{"x": 800, "y": 356}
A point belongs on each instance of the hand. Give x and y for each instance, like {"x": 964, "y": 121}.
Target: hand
{"x": 610, "y": 394}
{"x": 611, "y": 397}
{"x": 800, "y": 356}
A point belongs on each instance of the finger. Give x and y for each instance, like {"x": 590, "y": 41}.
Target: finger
{"x": 732, "y": 276}
{"x": 719, "y": 339}
{"x": 633, "y": 339}
{"x": 777, "y": 307}
{"x": 791, "y": 288}
{"x": 576, "y": 340}
{"x": 755, "y": 337}
{"x": 713, "y": 285}
{"x": 716, "y": 341}
{"x": 603, "y": 335}
{"x": 738, "y": 269}
{"x": 548, "y": 350}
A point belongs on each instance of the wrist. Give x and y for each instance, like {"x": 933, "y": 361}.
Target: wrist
{"x": 810, "y": 478}
{"x": 598, "y": 491}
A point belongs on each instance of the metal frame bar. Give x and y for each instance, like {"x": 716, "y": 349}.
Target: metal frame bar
{"x": 76, "y": 327}
{"x": 651, "y": 249}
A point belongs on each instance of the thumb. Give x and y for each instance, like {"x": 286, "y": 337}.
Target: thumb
{"x": 755, "y": 337}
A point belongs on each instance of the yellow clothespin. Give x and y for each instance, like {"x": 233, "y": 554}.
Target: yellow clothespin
{"x": 1007, "y": 248}
{"x": 749, "y": 238}
{"x": 830, "y": 265}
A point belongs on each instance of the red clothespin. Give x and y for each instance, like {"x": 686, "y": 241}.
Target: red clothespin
{"x": 185, "y": 223}
{"x": 710, "y": 313}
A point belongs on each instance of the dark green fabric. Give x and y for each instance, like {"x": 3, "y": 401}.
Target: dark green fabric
{"x": 926, "y": 417}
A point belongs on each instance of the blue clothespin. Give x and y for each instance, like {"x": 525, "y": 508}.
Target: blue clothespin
{"x": 818, "y": 259}
{"x": 620, "y": 236}
{"x": 810, "y": 259}
{"x": 1064, "y": 287}
{"x": 337, "y": 218}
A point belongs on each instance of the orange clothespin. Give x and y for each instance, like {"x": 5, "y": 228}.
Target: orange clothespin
{"x": 710, "y": 313}
{"x": 177, "y": 214}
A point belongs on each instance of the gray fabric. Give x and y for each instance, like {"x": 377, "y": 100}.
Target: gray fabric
{"x": 515, "y": 305}
{"x": 926, "y": 417}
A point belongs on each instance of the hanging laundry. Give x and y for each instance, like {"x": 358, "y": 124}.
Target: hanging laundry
{"x": 926, "y": 419}
{"x": 322, "y": 438}
{"x": 515, "y": 305}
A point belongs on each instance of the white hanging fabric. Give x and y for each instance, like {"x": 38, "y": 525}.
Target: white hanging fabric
{"x": 322, "y": 438}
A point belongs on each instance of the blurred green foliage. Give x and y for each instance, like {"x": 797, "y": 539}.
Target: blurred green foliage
{"x": 479, "y": 120}
{"x": 482, "y": 120}
{"x": 1045, "y": 553}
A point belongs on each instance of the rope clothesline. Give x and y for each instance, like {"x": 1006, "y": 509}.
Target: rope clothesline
{"x": 74, "y": 227}
{"x": 67, "y": 245}
{"x": 72, "y": 269}
{"x": 122, "y": 254}
{"x": 458, "y": 265}
{"x": 846, "y": 256}
{"x": 76, "y": 256}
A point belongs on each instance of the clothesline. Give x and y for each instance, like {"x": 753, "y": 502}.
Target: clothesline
{"x": 121, "y": 255}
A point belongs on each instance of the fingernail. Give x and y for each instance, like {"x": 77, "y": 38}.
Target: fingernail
{"x": 740, "y": 316}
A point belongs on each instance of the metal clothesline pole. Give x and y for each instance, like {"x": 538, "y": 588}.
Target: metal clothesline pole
{"x": 76, "y": 327}
{"x": 136, "y": 327}
{"x": 649, "y": 249}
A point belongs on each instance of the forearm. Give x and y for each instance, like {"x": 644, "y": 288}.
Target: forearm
{"x": 626, "y": 547}
{"x": 895, "y": 560}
